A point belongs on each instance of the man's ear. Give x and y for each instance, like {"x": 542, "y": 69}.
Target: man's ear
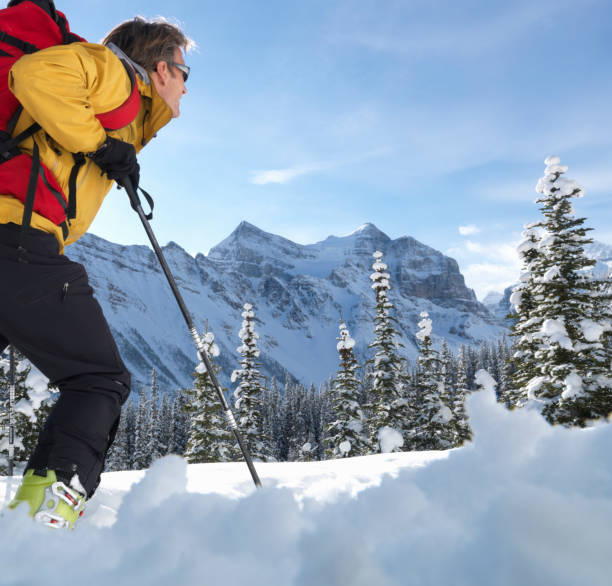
{"x": 163, "y": 72}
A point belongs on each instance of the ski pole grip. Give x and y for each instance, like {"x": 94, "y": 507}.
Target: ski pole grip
{"x": 134, "y": 199}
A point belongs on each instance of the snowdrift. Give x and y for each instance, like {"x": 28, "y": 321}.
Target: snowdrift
{"x": 525, "y": 504}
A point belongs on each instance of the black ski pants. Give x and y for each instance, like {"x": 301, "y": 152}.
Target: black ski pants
{"x": 48, "y": 312}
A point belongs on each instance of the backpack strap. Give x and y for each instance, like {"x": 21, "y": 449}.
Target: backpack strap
{"x": 9, "y": 146}
{"x": 79, "y": 161}
{"x": 20, "y": 44}
{"x": 29, "y": 203}
{"x": 126, "y": 112}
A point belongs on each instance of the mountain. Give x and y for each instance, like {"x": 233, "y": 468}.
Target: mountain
{"x": 602, "y": 253}
{"x": 298, "y": 291}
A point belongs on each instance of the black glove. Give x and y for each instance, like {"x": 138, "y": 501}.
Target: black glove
{"x": 117, "y": 159}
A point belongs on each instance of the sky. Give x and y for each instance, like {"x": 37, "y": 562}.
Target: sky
{"x": 430, "y": 119}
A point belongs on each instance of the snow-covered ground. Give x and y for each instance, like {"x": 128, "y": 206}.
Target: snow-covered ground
{"x": 525, "y": 504}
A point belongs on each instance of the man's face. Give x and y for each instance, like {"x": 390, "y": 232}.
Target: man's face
{"x": 169, "y": 82}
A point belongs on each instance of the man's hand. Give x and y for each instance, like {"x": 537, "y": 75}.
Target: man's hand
{"x": 118, "y": 160}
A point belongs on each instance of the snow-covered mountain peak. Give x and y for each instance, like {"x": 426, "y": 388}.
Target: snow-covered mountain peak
{"x": 298, "y": 292}
{"x": 369, "y": 230}
{"x": 362, "y": 242}
{"x": 250, "y": 245}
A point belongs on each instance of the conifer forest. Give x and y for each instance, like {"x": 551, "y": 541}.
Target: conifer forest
{"x": 557, "y": 359}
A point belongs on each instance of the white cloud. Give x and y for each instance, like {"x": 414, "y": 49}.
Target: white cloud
{"x": 467, "y": 230}
{"x": 489, "y": 266}
{"x": 486, "y": 277}
{"x": 279, "y": 175}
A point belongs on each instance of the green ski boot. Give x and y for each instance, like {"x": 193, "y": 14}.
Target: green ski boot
{"x": 51, "y": 501}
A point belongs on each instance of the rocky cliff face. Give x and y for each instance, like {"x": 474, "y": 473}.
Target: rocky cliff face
{"x": 299, "y": 293}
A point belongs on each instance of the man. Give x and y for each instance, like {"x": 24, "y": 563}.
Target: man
{"x": 47, "y": 309}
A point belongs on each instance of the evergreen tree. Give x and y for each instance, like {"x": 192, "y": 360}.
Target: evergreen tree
{"x": 505, "y": 370}
{"x": 346, "y": 435}
{"x": 296, "y": 400}
{"x": 121, "y": 454}
{"x": 326, "y": 415}
{"x": 209, "y": 438}
{"x": 315, "y": 437}
{"x": 526, "y": 323}
{"x": 287, "y": 421}
{"x": 249, "y": 393}
{"x": 434, "y": 421}
{"x": 462, "y": 431}
{"x": 165, "y": 433}
{"x": 388, "y": 408}
{"x": 570, "y": 376}
{"x": 33, "y": 402}
{"x": 180, "y": 423}
{"x": 273, "y": 418}
{"x": 142, "y": 434}
{"x": 155, "y": 419}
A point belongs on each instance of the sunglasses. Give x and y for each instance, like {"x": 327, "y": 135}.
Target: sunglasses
{"x": 184, "y": 69}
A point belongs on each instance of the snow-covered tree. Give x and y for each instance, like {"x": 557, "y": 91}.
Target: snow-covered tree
{"x": 33, "y": 402}
{"x": 142, "y": 434}
{"x": 347, "y": 434}
{"x": 316, "y": 432}
{"x": 180, "y": 423}
{"x": 249, "y": 392}
{"x": 121, "y": 454}
{"x": 156, "y": 448}
{"x": 388, "y": 408}
{"x": 165, "y": 433}
{"x": 462, "y": 431}
{"x": 209, "y": 438}
{"x": 527, "y": 323}
{"x": 433, "y": 429}
{"x": 272, "y": 409}
{"x": 570, "y": 375}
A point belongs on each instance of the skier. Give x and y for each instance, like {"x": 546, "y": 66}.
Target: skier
{"x": 47, "y": 308}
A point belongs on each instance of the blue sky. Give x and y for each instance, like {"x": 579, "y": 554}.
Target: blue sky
{"x": 427, "y": 118}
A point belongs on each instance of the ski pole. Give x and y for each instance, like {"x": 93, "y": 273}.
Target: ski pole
{"x": 11, "y": 444}
{"x": 135, "y": 201}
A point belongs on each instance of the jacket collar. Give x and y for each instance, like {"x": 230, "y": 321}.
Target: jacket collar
{"x": 159, "y": 113}
{"x": 140, "y": 71}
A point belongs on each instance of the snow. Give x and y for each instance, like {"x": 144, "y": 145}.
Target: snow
{"x": 345, "y": 447}
{"x": 551, "y": 274}
{"x": 485, "y": 381}
{"x": 425, "y": 325}
{"x": 573, "y": 386}
{"x": 25, "y": 407}
{"x": 516, "y": 298}
{"x": 444, "y": 414}
{"x": 346, "y": 342}
{"x": 389, "y": 439}
{"x": 554, "y": 330}
{"x": 534, "y": 385}
{"x": 547, "y": 240}
{"x": 526, "y": 503}
{"x": 591, "y": 330}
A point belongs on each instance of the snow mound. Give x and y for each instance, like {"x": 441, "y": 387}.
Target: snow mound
{"x": 526, "y": 503}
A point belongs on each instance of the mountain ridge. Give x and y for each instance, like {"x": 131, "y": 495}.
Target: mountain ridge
{"x": 298, "y": 291}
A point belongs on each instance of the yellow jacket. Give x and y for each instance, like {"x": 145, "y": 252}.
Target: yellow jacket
{"x": 62, "y": 88}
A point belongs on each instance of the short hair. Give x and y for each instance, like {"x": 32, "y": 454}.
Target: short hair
{"x": 147, "y": 42}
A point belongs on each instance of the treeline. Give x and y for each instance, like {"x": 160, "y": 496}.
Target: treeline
{"x": 295, "y": 419}
{"x": 558, "y": 363}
